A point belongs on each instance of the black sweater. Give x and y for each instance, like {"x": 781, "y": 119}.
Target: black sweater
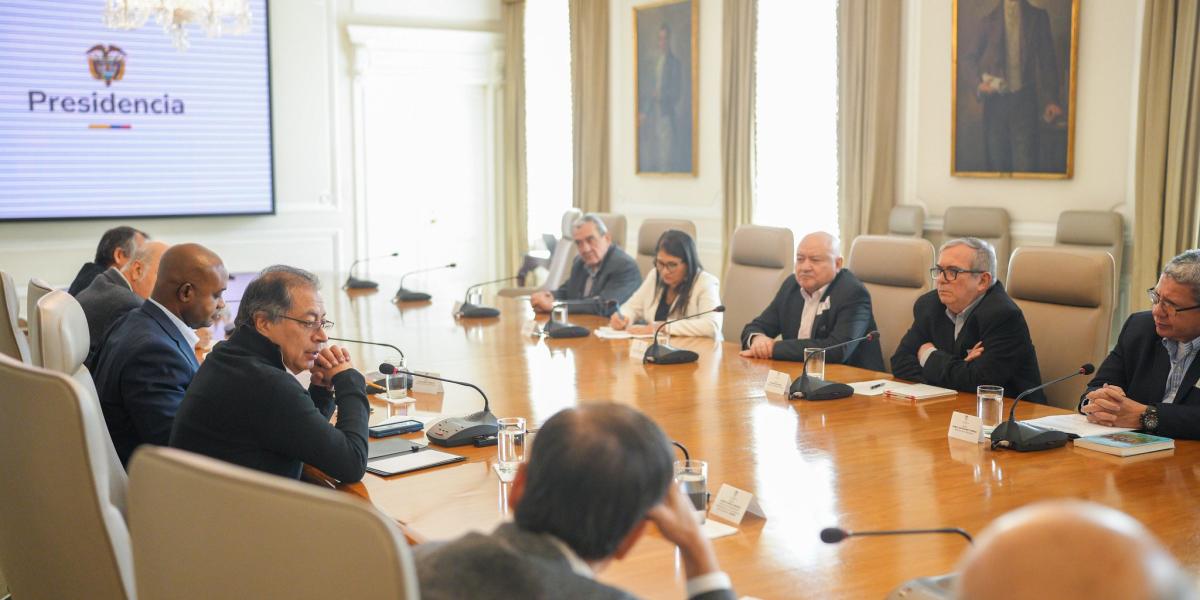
{"x": 245, "y": 408}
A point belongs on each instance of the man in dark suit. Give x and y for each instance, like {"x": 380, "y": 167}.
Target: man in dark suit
{"x": 116, "y": 247}
{"x": 968, "y": 332}
{"x": 602, "y": 272}
{"x": 596, "y": 476}
{"x": 1149, "y": 380}
{"x": 118, "y": 291}
{"x": 147, "y": 358}
{"x": 822, "y": 305}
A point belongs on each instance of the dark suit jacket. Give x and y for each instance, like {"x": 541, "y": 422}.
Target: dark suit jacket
{"x": 1039, "y": 67}
{"x": 1139, "y": 364}
{"x": 848, "y": 316}
{"x": 1008, "y": 359}
{"x": 107, "y": 298}
{"x": 509, "y": 563}
{"x": 142, "y": 369}
{"x": 618, "y": 278}
{"x": 84, "y": 277}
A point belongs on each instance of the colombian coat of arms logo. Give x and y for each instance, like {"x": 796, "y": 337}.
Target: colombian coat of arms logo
{"x": 106, "y": 63}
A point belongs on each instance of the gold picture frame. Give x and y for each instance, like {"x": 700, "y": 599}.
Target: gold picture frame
{"x": 996, "y": 130}
{"x": 665, "y": 136}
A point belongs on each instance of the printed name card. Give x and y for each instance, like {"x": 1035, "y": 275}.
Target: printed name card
{"x": 967, "y": 428}
{"x": 778, "y": 382}
{"x": 638, "y": 348}
{"x": 425, "y": 385}
{"x": 457, "y": 307}
{"x": 530, "y": 328}
{"x": 732, "y": 504}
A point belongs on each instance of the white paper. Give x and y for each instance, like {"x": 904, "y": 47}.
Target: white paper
{"x": 967, "y": 428}
{"x": 454, "y": 311}
{"x": 505, "y": 477}
{"x": 732, "y": 504}
{"x": 638, "y": 348}
{"x": 411, "y": 461}
{"x": 425, "y": 385}
{"x": 778, "y": 382}
{"x": 874, "y": 387}
{"x": 1074, "y": 423}
{"x": 608, "y": 333}
{"x": 713, "y": 530}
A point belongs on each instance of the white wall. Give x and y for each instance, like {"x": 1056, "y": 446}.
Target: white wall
{"x": 640, "y": 197}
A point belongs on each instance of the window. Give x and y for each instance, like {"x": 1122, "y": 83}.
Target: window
{"x": 547, "y": 116}
{"x": 796, "y": 145}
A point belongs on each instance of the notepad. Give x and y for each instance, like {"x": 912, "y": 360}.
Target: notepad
{"x": 918, "y": 391}
{"x": 396, "y": 464}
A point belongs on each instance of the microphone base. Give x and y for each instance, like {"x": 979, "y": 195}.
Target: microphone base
{"x": 354, "y": 283}
{"x": 662, "y": 354}
{"x": 811, "y": 388}
{"x": 403, "y": 295}
{"x": 557, "y": 330}
{"x": 938, "y": 587}
{"x": 470, "y": 311}
{"x": 461, "y": 431}
{"x": 1026, "y": 438}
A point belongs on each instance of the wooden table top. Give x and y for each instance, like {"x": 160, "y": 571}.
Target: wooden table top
{"x": 859, "y": 463}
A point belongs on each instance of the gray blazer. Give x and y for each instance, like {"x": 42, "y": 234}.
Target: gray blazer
{"x": 510, "y": 563}
{"x": 107, "y": 298}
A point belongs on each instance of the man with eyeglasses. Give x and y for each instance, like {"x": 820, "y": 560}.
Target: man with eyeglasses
{"x": 968, "y": 332}
{"x": 246, "y": 405}
{"x": 1149, "y": 380}
{"x": 146, "y": 360}
{"x": 601, "y": 272}
{"x": 822, "y": 305}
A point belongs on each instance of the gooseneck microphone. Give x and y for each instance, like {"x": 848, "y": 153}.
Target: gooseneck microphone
{"x": 813, "y": 388}
{"x": 407, "y": 380}
{"x": 403, "y": 295}
{"x": 470, "y": 310}
{"x": 1024, "y": 437}
{"x": 565, "y": 329}
{"x": 662, "y": 354}
{"x": 833, "y": 535}
{"x": 454, "y": 431}
{"x": 354, "y": 283}
{"x": 938, "y": 587}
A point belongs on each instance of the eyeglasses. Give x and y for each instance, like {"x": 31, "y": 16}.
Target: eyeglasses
{"x": 951, "y": 273}
{"x": 667, "y": 266}
{"x": 311, "y": 325}
{"x": 1168, "y": 307}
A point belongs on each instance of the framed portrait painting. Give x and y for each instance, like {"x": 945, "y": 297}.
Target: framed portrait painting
{"x": 1014, "y": 70}
{"x": 665, "y": 83}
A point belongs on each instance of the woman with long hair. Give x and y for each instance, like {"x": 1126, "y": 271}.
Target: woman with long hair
{"x": 678, "y": 286}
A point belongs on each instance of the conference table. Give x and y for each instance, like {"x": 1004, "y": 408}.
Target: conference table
{"x": 860, "y": 463}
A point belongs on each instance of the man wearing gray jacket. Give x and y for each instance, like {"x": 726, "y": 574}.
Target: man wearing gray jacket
{"x": 117, "y": 291}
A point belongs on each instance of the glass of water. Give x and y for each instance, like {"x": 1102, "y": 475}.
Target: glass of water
{"x": 815, "y": 359}
{"x": 692, "y": 478}
{"x": 475, "y": 297}
{"x": 396, "y": 395}
{"x": 510, "y": 446}
{"x": 559, "y": 313}
{"x": 989, "y": 405}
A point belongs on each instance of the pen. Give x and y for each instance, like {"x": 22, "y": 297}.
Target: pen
{"x": 878, "y": 385}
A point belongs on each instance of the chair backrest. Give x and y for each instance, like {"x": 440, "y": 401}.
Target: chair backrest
{"x": 986, "y": 223}
{"x": 203, "y": 528}
{"x": 760, "y": 258}
{"x": 12, "y": 339}
{"x": 1067, "y": 297}
{"x": 564, "y": 252}
{"x": 907, "y": 220}
{"x": 895, "y": 271}
{"x": 63, "y": 337}
{"x": 648, "y": 235}
{"x": 62, "y": 533}
{"x": 1093, "y": 229}
{"x": 37, "y": 289}
{"x": 616, "y": 224}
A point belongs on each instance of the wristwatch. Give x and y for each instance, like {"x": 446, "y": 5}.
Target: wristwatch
{"x": 1150, "y": 419}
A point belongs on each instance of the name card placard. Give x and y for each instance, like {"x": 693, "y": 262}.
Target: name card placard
{"x": 732, "y": 504}
{"x": 967, "y": 428}
{"x": 637, "y": 349}
{"x": 424, "y": 385}
{"x": 778, "y": 382}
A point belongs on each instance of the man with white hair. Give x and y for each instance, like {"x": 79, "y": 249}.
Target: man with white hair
{"x": 602, "y": 272}
{"x": 119, "y": 290}
{"x": 1149, "y": 379}
{"x": 968, "y": 332}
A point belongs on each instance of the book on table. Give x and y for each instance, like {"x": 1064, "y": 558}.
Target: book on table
{"x": 917, "y": 391}
{"x": 1125, "y": 443}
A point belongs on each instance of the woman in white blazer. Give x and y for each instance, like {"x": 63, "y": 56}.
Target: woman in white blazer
{"x": 678, "y": 286}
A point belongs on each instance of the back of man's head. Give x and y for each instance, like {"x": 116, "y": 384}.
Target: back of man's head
{"x": 1069, "y": 549}
{"x": 122, "y": 238}
{"x": 593, "y": 473}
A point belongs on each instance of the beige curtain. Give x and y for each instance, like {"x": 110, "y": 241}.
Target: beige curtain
{"x": 737, "y": 115}
{"x": 513, "y": 206}
{"x": 868, "y": 96}
{"x": 589, "y": 104}
{"x": 1168, "y": 119}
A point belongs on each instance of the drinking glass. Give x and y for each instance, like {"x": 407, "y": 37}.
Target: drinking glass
{"x": 692, "y": 478}
{"x": 475, "y": 297}
{"x": 989, "y": 405}
{"x": 559, "y": 313}
{"x": 510, "y": 446}
{"x": 396, "y": 395}
{"x": 815, "y": 359}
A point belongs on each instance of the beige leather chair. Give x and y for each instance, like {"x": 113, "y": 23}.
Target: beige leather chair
{"x": 1067, "y": 297}
{"x": 895, "y": 271}
{"x": 760, "y": 258}
{"x": 1093, "y": 229}
{"x": 12, "y": 339}
{"x": 560, "y": 261}
{"x": 62, "y": 534}
{"x": 204, "y": 528}
{"x": 37, "y": 289}
{"x": 616, "y": 225}
{"x": 985, "y": 223}
{"x": 648, "y": 235}
{"x": 907, "y": 221}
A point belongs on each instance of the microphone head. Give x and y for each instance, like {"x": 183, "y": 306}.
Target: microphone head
{"x": 872, "y": 336}
{"x": 833, "y": 535}
{"x": 719, "y": 308}
{"x": 451, "y": 265}
{"x": 1087, "y": 369}
{"x": 386, "y": 368}
{"x": 396, "y": 253}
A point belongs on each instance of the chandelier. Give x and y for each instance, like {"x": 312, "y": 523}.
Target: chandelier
{"x": 214, "y": 16}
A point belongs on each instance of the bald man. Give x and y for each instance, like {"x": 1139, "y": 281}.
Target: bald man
{"x": 117, "y": 291}
{"x": 1068, "y": 549}
{"x": 822, "y": 305}
{"x": 147, "y": 360}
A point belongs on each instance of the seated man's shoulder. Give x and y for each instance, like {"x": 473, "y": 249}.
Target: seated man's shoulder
{"x": 998, "y": 304}
{"x": 848, "y": 284}
{"x": 929, "y": 301}
{"x": 474, "y": 566}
